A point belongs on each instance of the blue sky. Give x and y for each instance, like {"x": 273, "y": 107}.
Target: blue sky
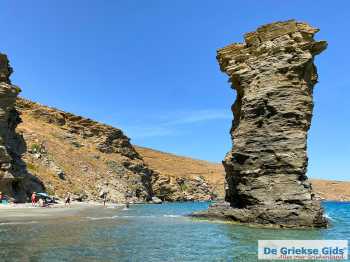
{"x": 149, "y": 68}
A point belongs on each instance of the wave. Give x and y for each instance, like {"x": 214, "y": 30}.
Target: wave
{"x": 17, "y": 223}
{"x": 101, "y": 218}
{"x": 171, "y": 216}
{"x": 131, "y": 216}
{"x": 114, "y": 217}
{"x": 328, "y": 217}
{"x": 128, "y": 216}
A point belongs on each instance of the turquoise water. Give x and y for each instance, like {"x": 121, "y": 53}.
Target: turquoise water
{"x": 149, "y": 233}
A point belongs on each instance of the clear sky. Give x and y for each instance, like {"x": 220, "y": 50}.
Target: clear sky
{"x": 149, "y": 68}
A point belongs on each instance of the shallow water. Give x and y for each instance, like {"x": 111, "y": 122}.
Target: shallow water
{"x": 149, "y": 233}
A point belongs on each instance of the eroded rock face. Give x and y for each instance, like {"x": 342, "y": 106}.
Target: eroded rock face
{"x": 15, "y": 181}
{"x": 108, "y": 139}
{"x": 274, "y": 75}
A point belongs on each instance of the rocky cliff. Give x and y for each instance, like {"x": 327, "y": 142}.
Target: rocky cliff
{"x": 15, "y": 181}
{"x": 273, "y": 74}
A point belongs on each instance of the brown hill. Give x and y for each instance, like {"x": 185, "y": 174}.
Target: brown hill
{"x": 180, "y": 167}
{"x": 332, "y": 190}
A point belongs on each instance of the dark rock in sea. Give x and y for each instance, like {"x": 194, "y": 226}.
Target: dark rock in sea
{"x": 274, "y": 75}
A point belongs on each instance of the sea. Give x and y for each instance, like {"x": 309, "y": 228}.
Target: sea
{"x": 150, "y": 233}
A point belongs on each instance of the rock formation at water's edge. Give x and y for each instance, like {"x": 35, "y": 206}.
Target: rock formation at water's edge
{"x": 15, "y": 181}
{"x": 274, "y": 75}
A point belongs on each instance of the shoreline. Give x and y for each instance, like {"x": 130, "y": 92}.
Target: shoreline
{"x": 25, "y": 211}
{"x": 17, "y": 212}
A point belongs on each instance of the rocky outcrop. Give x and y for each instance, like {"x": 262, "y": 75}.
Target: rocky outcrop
{"x": 15, "y": 181}
{"x": 274, "y": 75}
{"x": 171, "y": 189}
{"x": 107, "y": 139}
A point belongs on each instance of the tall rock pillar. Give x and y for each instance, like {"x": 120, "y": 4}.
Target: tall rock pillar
{"x": 15, "y": 181}
{"x": 274, "y": 75}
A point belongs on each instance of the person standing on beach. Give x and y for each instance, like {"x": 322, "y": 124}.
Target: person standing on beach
{"x": 67, "y": 200}
{"x": 104, "y": 198}
{"x": 127, "y": 196}
{"x": 33, "y": 199}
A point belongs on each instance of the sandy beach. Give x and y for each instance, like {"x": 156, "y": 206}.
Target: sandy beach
{"x": 25, "y": 211}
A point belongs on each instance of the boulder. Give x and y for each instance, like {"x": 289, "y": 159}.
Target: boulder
{"x": 156, "y": 200}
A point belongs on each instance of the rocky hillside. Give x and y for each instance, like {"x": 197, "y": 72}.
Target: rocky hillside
{"x": 73, "y": 154}
{"x": 183, "y": 177}
{"x": 331, "y": 190}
